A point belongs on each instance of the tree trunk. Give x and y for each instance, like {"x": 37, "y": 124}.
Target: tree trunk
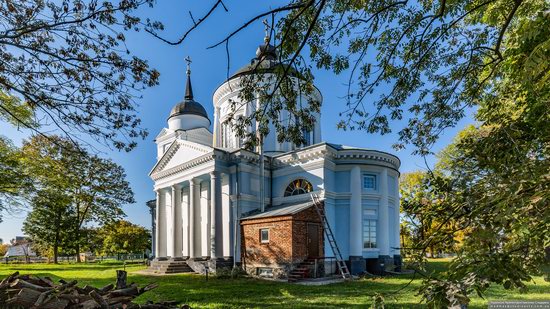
{"x": 121, "y": 276}
{"x": 78, "y": 250}
{"x": 77, "y": 232}
{"x": 55, "y": 252}
{"x": 56, "y": 243}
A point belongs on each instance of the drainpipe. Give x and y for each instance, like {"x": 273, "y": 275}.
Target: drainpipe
{"x": 271, "y": 181}
{"x": 237, "y": 215}
{"x": 262, "y": 176}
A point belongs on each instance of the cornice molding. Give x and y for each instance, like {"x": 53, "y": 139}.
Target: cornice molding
{"x": 157, "y": 172}
{"x": 338, "y": 156}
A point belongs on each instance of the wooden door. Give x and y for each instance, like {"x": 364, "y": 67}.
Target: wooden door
{"x": 312, "y": 240}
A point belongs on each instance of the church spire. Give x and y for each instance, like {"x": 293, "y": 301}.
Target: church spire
{"x": 267, "y": 36}
{"x": 188, "y": 88}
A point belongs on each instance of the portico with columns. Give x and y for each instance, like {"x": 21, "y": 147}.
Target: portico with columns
{"x": 194, "y": 216}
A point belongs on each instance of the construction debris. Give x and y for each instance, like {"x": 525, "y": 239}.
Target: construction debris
{"x": 27, "y": 291}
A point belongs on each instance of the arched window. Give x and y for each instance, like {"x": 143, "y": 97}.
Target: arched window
{"x": 298, "y": 186}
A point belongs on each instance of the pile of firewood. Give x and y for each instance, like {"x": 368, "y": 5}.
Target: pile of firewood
{"x": 26, "y": 291}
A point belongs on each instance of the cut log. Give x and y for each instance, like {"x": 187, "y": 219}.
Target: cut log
{"x": 20, "y": 284}
{"x": 76, "y": 299}
{"x": 68, "y": 285}
{"x": 6, "y": 281}
{"x": 106, "y": 289}
{"x": 99, "y": 300}
{"x": 48, "y": 282}
{"x": 27, "y": 298}
{"x": 148, "y": 287}
{"x": 131, "y": 291}
{"x": 87, "y": 289}
{"x": 121, "y": 276}
{"x": 42, "y": 298}
{"x": 89, "y": 304}
{"x": 27, "y": 291}
{"x": 121, "y": 299}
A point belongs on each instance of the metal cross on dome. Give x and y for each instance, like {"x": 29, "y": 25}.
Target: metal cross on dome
{"x": 267, "y": 30}
{"x": 188, "y": 60}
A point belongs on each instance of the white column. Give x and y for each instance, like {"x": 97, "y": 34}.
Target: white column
{"x": 161, "y": 224}
{"x": 355, "y": 214}
{"x": 185, "y": 221}
{"x": 215, "y": 215}
{"x": 157, "y": 227}
{"x": 383, "y": 215}
{"x": 397, "y": 239}
{"x": 227, "y": 217}
{"x": 194, "y": 203}
{"x": 216, "y": 138}
{"x": 177, "y": 225}
{"x": 317, "y": 130}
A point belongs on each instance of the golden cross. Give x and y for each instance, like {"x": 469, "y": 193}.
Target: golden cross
{"x": 188, "y": 60}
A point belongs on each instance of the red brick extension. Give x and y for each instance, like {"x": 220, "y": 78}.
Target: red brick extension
{"x": 287, "y": 245}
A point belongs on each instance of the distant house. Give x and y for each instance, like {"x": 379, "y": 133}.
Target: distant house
{"x": 22, "y": 250}
{"x": 20, "y": 240}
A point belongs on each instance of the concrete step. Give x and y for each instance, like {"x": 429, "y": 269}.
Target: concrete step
{"x": 170, "y": 267}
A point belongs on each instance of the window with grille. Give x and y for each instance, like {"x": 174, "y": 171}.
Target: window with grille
{"x": 369, "y": 233}
{"x": 298, "y": 186}
{"x": 264, "y": 236}
{"x": 369, "y": 182}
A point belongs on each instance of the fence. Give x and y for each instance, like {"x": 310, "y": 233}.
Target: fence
{"x": 324, "y": 267}
{"x": 128, "y": 258}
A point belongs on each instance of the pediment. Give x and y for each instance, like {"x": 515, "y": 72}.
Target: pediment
{"x": 179, "y": 152}
{"x": 163, "y": 132}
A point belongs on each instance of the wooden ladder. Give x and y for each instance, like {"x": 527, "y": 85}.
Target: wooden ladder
{"x": 342, "y": 267}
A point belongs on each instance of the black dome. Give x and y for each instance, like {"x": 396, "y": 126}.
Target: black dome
{"x": 188, "y": 107}
{"x": 266, "y": 61}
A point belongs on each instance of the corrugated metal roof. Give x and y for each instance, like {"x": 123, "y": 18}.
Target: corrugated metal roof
{"x": 20, "y": 250}
{"x": 283, "y": 210}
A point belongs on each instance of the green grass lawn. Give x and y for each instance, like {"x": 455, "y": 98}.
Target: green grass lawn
{"x": 249, "y": 293}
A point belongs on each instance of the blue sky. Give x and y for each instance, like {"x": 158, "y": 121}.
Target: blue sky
{"x": 209, "y": 69}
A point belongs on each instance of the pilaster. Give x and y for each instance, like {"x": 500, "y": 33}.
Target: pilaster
{"x": 383, "y": 216}
{"x": 216, "y": 235}
{"x": 355, "y": 214}
{"x": 157, "y": 226}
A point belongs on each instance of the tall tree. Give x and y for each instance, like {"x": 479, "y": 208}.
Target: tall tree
{"x": 96, "y": 187}
{"x": 49, "y": 222}
{"x": 419, "y": 200}
{"x": 499, "y": 172}
{"x": 99, "y": 192}
{"x": 14, "y": 182}
{"x": 125, "y": 237}
{"x": 66, "y": 63}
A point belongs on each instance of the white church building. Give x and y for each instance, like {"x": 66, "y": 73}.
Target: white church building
{"x": 209, "y": 191}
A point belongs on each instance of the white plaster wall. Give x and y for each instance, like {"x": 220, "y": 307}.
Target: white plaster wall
{"x": 188, "y": 122}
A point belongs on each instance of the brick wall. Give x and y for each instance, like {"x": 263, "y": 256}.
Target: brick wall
{"x": 287, "y": 241}
{"x": 279, "y": 248}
